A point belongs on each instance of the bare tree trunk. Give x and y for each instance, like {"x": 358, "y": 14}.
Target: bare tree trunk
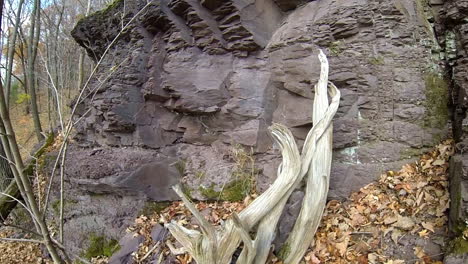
{"x": 33, "y": 40}
{"x": 11, "y": 52}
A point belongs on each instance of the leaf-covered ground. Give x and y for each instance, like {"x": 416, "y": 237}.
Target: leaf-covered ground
{"x": 19, "y": 252}
{"x": 402, "y": 218}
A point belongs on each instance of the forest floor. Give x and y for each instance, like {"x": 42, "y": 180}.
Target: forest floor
{"x": 24, "y": 128}
{"x": 401, "y": 218}
{"x": 19, "y": 252}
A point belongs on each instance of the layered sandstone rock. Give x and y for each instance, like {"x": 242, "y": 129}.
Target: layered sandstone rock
{"x": 189, "y": 80}
{"x": 209, "y": 72}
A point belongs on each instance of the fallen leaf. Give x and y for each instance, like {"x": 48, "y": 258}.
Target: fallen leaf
{"x": 405, "y": 223}
{"x": 428, "y": 226}
{"x": 419, "y": 252}
{"x": 423, "y": 233}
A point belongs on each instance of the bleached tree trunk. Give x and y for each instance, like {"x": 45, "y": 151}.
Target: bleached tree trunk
{"x": 318, "y": 177}
{"x": 217, "y": 245}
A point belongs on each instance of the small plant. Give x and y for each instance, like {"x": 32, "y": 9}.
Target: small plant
{"x": 335, "y": 47}
{"x": 200, "y": 175}
{"x": 377, "y": 60}
{"x": 101, "y": 246}
{"x": 245, "y": 169}
{"x": 180, "y": 165}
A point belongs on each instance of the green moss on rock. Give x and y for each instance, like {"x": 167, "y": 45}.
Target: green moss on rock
{"x": 186, "y": 190}
{"x": 335, "y": 47}
{"x": 101, "y": 13}
{"x": 458, "y": 246}
{"x": 377, "y": 60}
{"x": 209, "y": 192}
{"x": 101, "y": 246}
{"x": 108, "y": 8}
{"x": 234, "y": 191}
{"x": 284, "y": 251}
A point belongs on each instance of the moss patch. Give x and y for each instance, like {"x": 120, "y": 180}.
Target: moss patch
{"x": 234, "y": 191}
{"x": 335, "y": 47}
{"x": 209, "y": 193}
{"x": 284, "y": 251}
{"x": 436, "y": 101}
{"x": 186, "y": 190}
{"x": 101, "y": 246}
{"x": 458, "y": 246}
{"x": 377, "y": 60}
{"x": 108, "y": 8}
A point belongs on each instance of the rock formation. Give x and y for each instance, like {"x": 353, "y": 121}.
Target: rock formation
{"x": 190, "y": 80}
{"x": 452, "y": 32}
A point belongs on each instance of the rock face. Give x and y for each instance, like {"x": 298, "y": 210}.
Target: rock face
{"x": 190, "y": 80}
{"x": 452, "y": 31}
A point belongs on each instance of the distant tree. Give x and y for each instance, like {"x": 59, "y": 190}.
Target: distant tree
{"x": 32, "y": 47}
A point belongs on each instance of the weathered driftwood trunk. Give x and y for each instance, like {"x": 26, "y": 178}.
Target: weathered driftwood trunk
{"x": 216, "y": 245}
{"x": 318, "y": 173}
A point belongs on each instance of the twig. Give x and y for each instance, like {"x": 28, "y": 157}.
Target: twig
{"x": 150, "y": 251}
{"x": 362, "y": 233}
{"x": 62, "y": 172}
{"x": 21, "y": 240}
